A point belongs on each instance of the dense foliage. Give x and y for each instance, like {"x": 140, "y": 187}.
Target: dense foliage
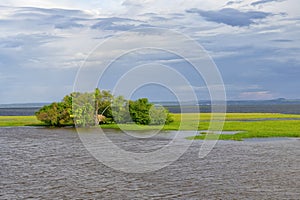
{"x": 57, "y": 114}
{"x": 84, "y": 109}
{"x": 139, "y": 111}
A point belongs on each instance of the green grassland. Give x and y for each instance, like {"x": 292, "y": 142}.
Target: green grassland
{"x": 256, "y": 129}
{"x": 19, "y": 121}
{"x": 250, "y": 125}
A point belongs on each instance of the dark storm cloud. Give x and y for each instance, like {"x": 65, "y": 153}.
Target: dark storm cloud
{"x": 53, "y": 11}
{"x": 57, "y": 18}
{"x": 230, "y": 16}
{"x": 282, "y": 40}
{"x": 233, "y": 2}
{"x": 264, "y": 1}
{"x": 118, "y": 24}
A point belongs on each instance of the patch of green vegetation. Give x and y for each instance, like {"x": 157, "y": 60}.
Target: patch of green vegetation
{"x": 237, "y": 116}
{"x": 19, "y": 121}
{"x": 251, "y": 125}
{"x": 180, "y": 122}
{"x": 93, "y": 108}
{"x": 255, "y": 129}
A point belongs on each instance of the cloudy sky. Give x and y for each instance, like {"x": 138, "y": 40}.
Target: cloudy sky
{"x": 255, "y": 44}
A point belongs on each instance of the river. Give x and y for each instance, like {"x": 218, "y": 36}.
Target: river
{"x": 42, "y": 163}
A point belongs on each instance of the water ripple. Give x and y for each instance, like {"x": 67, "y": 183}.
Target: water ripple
{"x": 45, "y": 163}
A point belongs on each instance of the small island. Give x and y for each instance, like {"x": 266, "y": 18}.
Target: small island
{"x": 101, "y": 108}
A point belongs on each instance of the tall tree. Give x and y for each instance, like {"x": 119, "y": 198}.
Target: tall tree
{"x": 97, "y": 102}
{"x": 84, "y": 109}
{"x": 104, "y": 101}
{"x": 120, "y": 110}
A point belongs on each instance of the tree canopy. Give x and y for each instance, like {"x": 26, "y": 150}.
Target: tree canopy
{"x": 84, "y": 109}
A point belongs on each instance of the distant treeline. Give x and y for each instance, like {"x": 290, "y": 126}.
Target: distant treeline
{"x": 232, "y": 107}
{"x": 258, "y": 108}
{"x": 18, "y": 111}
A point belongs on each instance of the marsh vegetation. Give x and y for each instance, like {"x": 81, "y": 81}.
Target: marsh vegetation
{"x": 249, "y": 125}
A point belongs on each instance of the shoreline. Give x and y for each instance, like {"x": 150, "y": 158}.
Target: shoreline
{"x": 250, "y": 125}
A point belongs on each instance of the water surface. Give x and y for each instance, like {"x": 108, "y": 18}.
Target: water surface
{"x": 46, "y": 163}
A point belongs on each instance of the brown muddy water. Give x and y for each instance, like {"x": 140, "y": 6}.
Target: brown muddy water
{"x": 41, "y": 163}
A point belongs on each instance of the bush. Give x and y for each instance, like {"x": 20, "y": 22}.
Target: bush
{"x": 55, "y": 114}
{"x": 84, "y": 109}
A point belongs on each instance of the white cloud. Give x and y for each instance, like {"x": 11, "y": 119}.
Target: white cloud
{"x": 36, "y": 37}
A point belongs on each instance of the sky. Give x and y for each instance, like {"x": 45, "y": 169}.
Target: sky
{"x": 255, "y": 44}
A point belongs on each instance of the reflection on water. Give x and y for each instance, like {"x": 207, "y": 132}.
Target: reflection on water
{"x": 53, "y": 163}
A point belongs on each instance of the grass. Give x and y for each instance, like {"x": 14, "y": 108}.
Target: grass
{"x": 251, "y": 125}
{"x": 19, "y": 121}
{"x": 257, "y": 129}
{"x": 238, "y": 116}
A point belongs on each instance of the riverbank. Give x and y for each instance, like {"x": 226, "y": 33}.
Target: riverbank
{"x": 6, "y": 121}
{"x": 249, "y": 125}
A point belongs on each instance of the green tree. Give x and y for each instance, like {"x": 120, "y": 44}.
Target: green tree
{"x": 104, "y": 100}
{"x": 87, "y": 107}
{"x": 84, "y": 115}
{"x": 159, "y": 115}
{"x": 97, "y": 98}
{"x": 84, "y": 109}
{"x": 139, "y": 111}
{"x": 56, "y": 114}
{"x": 120, "y": 110}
